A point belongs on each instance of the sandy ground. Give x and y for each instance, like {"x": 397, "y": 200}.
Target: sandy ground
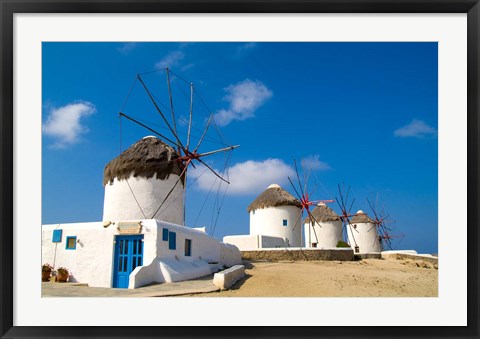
{"x": 365, "y": 278}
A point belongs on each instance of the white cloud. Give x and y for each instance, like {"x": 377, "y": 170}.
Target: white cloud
{"x": 64, "y": 123}
{"x": 171, "y": 60}
{"x": 243, "y": 98}
{"x": 187, "y": 67}
{"x": 416, "y": 129}
{"x": 127, "y": 47}
{"x": 247, "y": 178}
{"x": 244, "y": 49}
{"x": 312, "y": 162}
{"x": 248, "y": 45}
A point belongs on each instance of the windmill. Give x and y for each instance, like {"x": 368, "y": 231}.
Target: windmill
{"x": 188, "y": 156}
{"x": 304, "y": 198}
{"x": 345, "y": 207}
{"x": 381, "y": 220}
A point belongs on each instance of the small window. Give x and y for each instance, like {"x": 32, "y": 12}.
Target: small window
{"x": 165, "y": 234}
{"x": 188, "y": 247}
{"x": 57, "y": 236}
{"x": 71, "y": 243}
{"x": 285, "y": 222}
{"x": 172, "y": 241}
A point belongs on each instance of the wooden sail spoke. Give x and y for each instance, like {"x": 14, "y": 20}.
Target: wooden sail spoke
{"x": 315, "y": 222}
{"x": 171, "y": 104}
{"x": 203, "y": 134}
{"x": 212, "y": 170}
{"x": 298, "y": 177}
{"x": 298, "y": 194}
{"x": 148, "y": 128}
{"x": 345, "y": 217}
{"x": 170, "y": 191}
{"x": 179, "y": 143}
{"x": 191, "y": 113}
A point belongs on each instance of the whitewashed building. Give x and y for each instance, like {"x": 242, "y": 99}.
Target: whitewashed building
{"x": 275, "y": 221}
{"x": 325, "y": 229}
{"x": 363, "y": 235}
{"x": 137, "y": 242}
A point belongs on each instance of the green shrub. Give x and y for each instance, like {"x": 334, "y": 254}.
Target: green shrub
{"x": 342, "y": 244}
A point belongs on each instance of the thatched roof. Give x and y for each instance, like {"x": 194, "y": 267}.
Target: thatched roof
{"x": 361, "y": 218}
{"x": 147, "y": 157}
{"x": 323, "y": 213}
{"x": 273, "y": 196}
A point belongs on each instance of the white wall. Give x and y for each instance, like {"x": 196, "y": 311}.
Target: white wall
{"x": 243, "y": 242}
{"x": 120, "y": 203}
{"x": 230, "y": 255}
{"x": 204, "y": 246}
{"x": 254, "y": 242}
{"x": 268, "y": 221}
{"x": 267, "y": 241}
{"x": 328, "y": 233}
{"x": 92, "y": 260}
{"x": 365, "y": 235}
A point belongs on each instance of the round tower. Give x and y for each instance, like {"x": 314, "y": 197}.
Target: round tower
{"x": 276, "y": 213}
{"x": 325, "y": 229}
{"x": 138, "y": 181}
{"x": 363, "y": 234}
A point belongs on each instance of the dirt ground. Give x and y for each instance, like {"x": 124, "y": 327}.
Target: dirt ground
{"x": 364, "y": 278}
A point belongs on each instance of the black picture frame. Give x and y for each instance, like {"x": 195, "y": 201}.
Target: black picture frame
{"x": 10, "y": 7}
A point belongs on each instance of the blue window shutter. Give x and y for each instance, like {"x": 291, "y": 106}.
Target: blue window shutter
{"x": 165, "y": 234}
{"x": 285, "y": 222}
{"x": 172, "y": 241}
{"x": 57, "y": 236}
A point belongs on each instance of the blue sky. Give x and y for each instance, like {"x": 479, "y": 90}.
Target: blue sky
{"x": 359, "y": 114}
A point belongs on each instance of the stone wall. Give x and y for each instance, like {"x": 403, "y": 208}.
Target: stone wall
{"x": 298, "y": 254}
{"x": 403, "y": 256}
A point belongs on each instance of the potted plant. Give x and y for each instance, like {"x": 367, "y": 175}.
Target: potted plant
{"x": 46, "y": 271}
{"x": 62, "y": 274}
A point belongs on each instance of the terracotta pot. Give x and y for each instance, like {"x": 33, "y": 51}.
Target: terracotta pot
{"x": 46, "y": 275}
{"x": 62, "y": 277}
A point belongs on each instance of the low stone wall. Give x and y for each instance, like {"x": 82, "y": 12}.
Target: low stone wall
{"x": 299, "y": 254}
{"x": 402, "y": 256}
{"x": 227, "y": 278}
{"x": 373, "y": 255}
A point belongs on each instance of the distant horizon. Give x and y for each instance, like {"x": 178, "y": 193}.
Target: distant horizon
{"x": 360, "y": 114}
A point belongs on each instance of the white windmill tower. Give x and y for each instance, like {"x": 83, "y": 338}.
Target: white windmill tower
{"x": 362, "y": 232}
{"x": 323, "y": 229}
{"x": 138, "y": 181}
{"x": 276, "y": 213}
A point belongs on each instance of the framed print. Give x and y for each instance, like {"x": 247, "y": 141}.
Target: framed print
{"x": 332, "y": 156}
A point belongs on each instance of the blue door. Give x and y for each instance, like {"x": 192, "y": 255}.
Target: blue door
{"x": 128, "y": 255}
